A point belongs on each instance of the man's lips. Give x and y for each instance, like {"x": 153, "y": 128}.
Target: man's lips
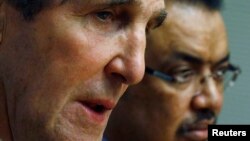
{"x": 198, "y": 131}
{"x": 97, "y": 110}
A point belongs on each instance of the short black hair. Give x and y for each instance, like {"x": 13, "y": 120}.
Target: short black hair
{"x": 29, "y": 8}
{"x": 210, "y": 4}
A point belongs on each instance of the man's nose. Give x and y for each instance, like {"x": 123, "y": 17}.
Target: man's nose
{"x": 130, "y": 63}
{"x": 209, "y": 96}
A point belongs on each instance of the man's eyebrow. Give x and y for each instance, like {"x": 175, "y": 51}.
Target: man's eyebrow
{"x": 123, "y": 2}
{"x": 187, "y": 57}
{"x": 223, "y": 60}
{"x": 193, "y": 59}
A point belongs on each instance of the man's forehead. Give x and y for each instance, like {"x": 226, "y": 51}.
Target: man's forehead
{"x": 103, "y": 2}
{"x": 171, "y": 52}
{"x": 193, "y": 58}
{"x": 166, "y": 42}
{"x": 156, "y": 5}
{"x": 139, "y": 3}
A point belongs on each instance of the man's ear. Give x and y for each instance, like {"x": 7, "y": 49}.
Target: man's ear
{"x": 2, "y": 19}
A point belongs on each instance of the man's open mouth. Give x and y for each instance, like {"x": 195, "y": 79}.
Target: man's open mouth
{"x": 97, "y": 110}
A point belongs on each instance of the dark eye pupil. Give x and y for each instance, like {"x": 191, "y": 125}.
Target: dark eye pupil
{"x": 103, "y": 15}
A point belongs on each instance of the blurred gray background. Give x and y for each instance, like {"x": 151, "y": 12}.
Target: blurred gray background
{"x": 236, "y": 108}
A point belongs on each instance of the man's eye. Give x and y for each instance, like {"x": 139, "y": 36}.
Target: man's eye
{"x": 220, "y": 73}
{"x": 105, "y": 20}
{"x": 157, "y": 22}
{"x": 104, "y": 15}
{"x": 184, "y": 75}
{"x": 151, "y": 26}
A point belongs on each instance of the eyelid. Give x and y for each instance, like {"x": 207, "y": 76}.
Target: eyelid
{"x": 104, "y": 20}
{"x": 157, "y": 21}
{"x": 224, "y": 66}
{"x": 181, "y": 68}
{"x": 161, "y": 18}
{"x": 112, "y": 14}
{"x": 185, "y": 73}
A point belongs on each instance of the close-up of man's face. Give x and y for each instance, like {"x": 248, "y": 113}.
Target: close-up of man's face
{"x": 64, "y": 70}
{"x": 191, "y": 47}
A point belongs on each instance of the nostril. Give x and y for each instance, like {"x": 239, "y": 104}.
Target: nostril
{"x": 202, "y": 80}
{"x": 120, "y": 77}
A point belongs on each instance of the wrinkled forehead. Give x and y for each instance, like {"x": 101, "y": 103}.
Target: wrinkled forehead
{"x": 141, "y": 3}
{"x": 192, "y": 30}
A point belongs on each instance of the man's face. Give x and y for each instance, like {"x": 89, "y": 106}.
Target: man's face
{"x": 64, "y": 71}
{"x": 193, "y": 40}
